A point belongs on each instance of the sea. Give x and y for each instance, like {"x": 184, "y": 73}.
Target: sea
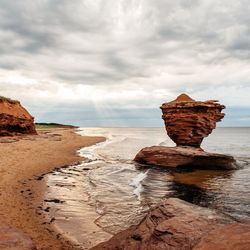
{"x": 108, "y": 192}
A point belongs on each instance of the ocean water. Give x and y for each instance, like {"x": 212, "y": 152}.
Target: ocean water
{"x": 109, "y": 192}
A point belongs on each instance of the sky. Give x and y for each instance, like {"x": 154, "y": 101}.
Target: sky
{"x": 114, "y": 62}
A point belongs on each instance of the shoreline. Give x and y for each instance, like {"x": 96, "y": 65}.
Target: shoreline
{"x": 25, "y": 159}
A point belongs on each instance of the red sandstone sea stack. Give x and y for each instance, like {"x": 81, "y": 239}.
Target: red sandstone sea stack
{"x": 15, "y": 119}
{"x": 187, "y": 123}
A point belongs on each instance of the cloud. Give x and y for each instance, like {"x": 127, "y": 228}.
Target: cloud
{"x": 124, "y": 53}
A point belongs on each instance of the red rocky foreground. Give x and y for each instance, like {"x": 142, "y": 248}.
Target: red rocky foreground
{"x": 173, "y": 157}
{"x": 14, "y": 119}
{"x": 228, "y": 237}
{"x": 175, "y": 224}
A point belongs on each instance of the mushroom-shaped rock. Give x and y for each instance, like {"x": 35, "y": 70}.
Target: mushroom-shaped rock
{"x": 188, "y": 121}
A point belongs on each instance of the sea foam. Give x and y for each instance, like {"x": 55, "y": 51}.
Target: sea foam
{"x": 137, "y": 183}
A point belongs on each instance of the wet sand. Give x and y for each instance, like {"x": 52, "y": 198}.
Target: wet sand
{"x": 27, "y": 158}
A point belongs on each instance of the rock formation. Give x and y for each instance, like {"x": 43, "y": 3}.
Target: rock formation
{"x": 173, "y": 223}
{"x": 188, "y": 121}
{"x": 176, "y": 224}
{"x": 227, "y": 237}
{"x": 14, "y": 119}
{"x": 173, "y": 157}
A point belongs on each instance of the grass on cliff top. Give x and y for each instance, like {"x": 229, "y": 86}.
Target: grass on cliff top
{"x": 43, "y": 125}
{"x": 6, "y": 99}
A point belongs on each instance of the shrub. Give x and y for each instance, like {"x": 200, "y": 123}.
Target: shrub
{"x": 6, "y": 99}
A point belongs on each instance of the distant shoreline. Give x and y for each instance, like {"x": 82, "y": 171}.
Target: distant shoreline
{"x": 25, "y": 159}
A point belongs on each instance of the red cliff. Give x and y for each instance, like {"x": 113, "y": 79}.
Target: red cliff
{"x": 15, "y": 119}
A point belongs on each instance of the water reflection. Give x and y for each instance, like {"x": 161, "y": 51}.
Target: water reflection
{"x": 227, "y": 192}
{"x": 156, "y": 185}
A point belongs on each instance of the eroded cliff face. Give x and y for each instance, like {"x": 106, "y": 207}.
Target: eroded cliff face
{"x": 15, "y": 119}
{"x": 188, "y": 121}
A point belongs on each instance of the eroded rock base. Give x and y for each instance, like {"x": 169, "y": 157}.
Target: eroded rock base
{"x": 184, "y": 157}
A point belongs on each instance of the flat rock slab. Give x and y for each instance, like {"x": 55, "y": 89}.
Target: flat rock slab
{"x": 172, "y": 224}
{"x": 173, "y": 157}
{"x": 11, "y": 239}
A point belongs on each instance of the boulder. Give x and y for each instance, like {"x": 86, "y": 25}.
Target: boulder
{"x": 15, "y": 119}
{"x": 188, "y": 121}
{"x": 172, "y": 224}
{"x": 174, "y": 157}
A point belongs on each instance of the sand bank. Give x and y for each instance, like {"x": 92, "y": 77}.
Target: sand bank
{"x": 24, "y": 158}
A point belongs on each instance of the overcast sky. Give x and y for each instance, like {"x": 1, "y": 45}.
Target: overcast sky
{"x": 114, "y": 62}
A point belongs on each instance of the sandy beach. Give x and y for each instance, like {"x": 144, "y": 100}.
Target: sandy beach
{"x": 28, "y": 157}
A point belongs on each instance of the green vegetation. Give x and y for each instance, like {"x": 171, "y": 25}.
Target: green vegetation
{"x": 43, "y": 125}
{"x": 6, "y": 99}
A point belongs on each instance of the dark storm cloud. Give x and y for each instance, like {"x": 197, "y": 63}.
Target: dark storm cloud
{"x": 156, "y": 31}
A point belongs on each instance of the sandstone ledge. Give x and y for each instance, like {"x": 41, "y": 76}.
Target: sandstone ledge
{"x": 178, "y": 157}
{"x": 234, "y": 236}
